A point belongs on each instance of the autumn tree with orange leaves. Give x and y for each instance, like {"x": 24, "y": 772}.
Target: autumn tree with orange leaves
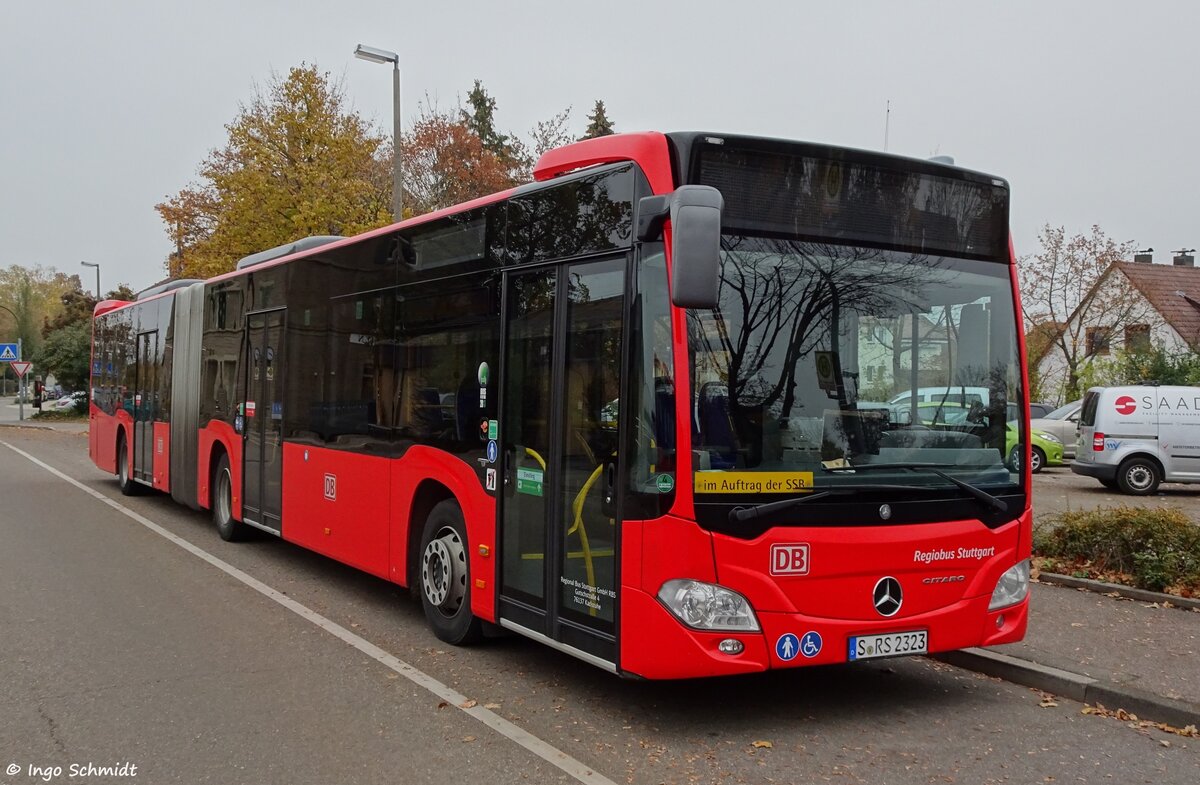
{"x": 297, "y": 163}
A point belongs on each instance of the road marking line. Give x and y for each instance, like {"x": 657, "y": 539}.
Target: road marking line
{"x": 534, "y": 744}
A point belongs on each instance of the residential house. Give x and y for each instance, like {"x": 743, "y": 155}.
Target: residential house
{"x": 1133, "y": 305}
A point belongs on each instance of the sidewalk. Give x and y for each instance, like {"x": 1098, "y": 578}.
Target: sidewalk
{"x": 10, "y": 412}
{"x": 1125, "y": 654}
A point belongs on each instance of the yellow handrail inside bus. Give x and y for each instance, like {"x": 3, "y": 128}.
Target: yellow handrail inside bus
{"x": 577, "y": 525}
{"x": 533, "y": 454}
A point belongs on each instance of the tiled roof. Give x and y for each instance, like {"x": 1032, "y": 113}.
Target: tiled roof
{"x": 1161, "y": 284}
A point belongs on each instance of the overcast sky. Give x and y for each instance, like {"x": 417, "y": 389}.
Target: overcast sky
{"x": 1089, "y": 109}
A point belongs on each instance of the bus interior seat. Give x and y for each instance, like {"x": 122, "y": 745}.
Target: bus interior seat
{"x": 716, "y": 426}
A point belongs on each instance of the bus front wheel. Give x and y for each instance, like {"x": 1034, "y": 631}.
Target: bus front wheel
{"x": 445, "y": 576}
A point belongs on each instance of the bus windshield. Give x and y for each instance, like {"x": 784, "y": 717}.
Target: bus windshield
{"x": 823, "y": 357}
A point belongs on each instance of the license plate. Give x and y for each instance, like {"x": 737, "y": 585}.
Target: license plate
{"x": 892, "y": 644}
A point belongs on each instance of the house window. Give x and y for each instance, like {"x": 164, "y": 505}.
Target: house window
{"x": 1097, "y": 340}
{"x": 1137, "y": 338}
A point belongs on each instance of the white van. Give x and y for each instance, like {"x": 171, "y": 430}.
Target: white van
{"x": 1133, "y": 438}
{"x": 964, "y": 396}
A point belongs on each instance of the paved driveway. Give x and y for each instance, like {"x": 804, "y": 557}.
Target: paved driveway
{"x": 1058, "y": 489}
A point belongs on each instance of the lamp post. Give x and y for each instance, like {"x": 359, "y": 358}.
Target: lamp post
{"x": 373, "y": 55}
{"x": 97, "y": 266}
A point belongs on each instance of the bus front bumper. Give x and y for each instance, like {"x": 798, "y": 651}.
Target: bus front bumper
{"x": 655, "y": 645}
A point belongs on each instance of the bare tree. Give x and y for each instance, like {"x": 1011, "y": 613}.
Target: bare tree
{"x": 1072, "y": 286}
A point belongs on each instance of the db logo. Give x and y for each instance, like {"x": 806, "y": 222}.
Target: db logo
{"x": 789, "y": 559}
{"x": 1126, "y": 405}
{"x": 331, "y": 487}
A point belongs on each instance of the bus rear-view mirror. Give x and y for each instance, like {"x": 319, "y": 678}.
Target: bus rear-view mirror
{"x": 695, "y": 212}
{"x": 695, "y": 246}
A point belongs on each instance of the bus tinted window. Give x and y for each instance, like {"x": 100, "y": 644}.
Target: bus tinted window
{"x": 592, "y": 213}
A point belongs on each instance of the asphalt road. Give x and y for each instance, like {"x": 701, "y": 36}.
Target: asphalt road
{"x": 119, "y": 645}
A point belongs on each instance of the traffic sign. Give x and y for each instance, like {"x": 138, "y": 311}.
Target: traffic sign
{"x": 20, "y": 368}
{"x": 10, "y": 352}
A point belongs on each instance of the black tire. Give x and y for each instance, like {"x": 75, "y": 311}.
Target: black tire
{"x": 230, "y": 529}
{"x": 1037, "y": 460}
{"x": 124, "y": 479}
{"x": 1138, "y": 476}
{"x": 444, "y": 576}
{"x": 1014, "y": 459}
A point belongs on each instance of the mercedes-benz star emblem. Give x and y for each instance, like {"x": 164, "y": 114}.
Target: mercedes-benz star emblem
{"x": 885, "y": 511}
{"x": 887, "y": 596}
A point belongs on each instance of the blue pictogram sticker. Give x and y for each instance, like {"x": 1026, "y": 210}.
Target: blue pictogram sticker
{"x": 787, "y": 647}
{"x": 493, "y": 452}
{"x": 810, "y": 644}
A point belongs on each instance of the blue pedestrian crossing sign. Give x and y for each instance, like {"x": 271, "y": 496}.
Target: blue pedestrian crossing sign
{"x": 787, "y": 647}
{"x": 9, "y": 352}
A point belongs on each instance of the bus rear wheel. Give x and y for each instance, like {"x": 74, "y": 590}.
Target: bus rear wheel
{"x": 124, "y": 481}
{"x": 445, "y": 576}
{"x": 230, "y": 529}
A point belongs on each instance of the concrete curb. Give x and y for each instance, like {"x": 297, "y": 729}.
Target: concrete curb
{"x": 1077, "y": 687}
{"x": 48, "y": 426}
{"x": 1128, "y": 592}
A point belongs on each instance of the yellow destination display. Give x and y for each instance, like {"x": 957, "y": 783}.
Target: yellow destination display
{"x": 754, "y": 482}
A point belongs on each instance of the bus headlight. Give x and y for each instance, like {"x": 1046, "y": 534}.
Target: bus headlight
{"x": 1012, "y": 586}
{"x": 707, "y": 606}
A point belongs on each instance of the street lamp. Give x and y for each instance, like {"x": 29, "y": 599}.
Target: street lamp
{"x": 373, "y": 55}
{"x": 97, "y": 266}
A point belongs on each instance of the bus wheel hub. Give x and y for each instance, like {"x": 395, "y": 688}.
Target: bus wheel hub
{"x": 444, "y": 572}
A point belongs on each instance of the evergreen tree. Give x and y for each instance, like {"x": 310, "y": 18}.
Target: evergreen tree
{"x": 480, "y": 118}
{"x": 598, "y": 122}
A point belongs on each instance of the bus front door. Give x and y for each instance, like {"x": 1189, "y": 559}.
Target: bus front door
{"x": 262, "y": 418}
{"x": 560, "y": 384}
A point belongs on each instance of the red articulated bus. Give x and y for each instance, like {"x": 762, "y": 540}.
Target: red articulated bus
{"x": 687, "y": 405}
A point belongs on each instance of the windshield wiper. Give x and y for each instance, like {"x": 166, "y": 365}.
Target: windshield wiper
{"x": 932, "y": 468}
{"x": 743, "y": 514}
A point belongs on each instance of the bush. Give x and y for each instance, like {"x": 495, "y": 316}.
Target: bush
{"x": 1157, "y": 548}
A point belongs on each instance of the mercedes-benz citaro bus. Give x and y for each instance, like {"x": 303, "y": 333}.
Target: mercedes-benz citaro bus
{"x": 622, "y": 410}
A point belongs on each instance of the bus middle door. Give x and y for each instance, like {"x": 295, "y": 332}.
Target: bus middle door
{"x": 262, "y": 478}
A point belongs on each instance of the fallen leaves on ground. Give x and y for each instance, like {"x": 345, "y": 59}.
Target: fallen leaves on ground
{"x": 762, "y": 745}
{"x": 1189, "y": 731}
{"x": 470, "y": 703}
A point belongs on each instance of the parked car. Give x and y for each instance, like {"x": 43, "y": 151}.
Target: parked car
{"x": 1046, "y": 449}
{"x": 1039, "y": 410}
{"x": 1063, "y": 422}
{"x": 1135, "y": 437}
